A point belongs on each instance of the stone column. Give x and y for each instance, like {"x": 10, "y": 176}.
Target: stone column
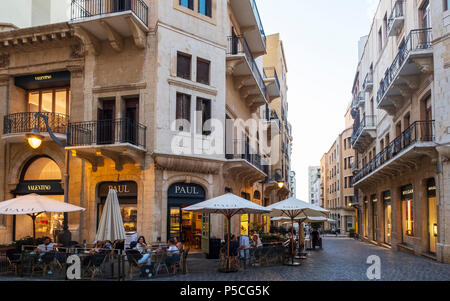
{"x": 396, "y": 215}
{"x": 443, "y": 207}
{"x": 420, "y": 216}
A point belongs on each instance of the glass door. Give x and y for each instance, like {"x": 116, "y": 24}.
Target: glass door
{"x": 175, "y": 222}
{"x": 432, "y": 216}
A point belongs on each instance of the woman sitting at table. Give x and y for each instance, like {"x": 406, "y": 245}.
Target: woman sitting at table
{"x": 256, "y": 241}
{"x": 142, "y": 247}
{"x": 97, "y": 247}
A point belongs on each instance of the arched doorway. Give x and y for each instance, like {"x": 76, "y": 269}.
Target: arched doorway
{"x": 191, "y": 228}
{"x": 41, "y": 175}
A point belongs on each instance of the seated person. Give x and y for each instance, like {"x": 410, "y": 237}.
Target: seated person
{"x": 98, "y": 247}
{"x": 108, "y": 245}
{"x": 316, "y": 239}
{"x": 142, "y": 247}
{"x": 256, "y": 241}
{"x": 47, "y": 246}
{"x": 174, "y": 251}
{"x": 244, "y": 246}
{"x": 178, "y": 244}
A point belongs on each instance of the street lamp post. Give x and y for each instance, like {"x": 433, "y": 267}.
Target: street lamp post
{"x": 277, "y": 178}
{"x": 34, "y": 139}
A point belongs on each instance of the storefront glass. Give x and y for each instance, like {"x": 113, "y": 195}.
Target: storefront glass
{"x": 432, "y": 215}
{"x": 42, "y": 176}
{"x": 191, "y": 228}
{"x": 366, "y": 218}
{"x": 374, "y": 202}
{"x": 49, "y": 100}
{"x": 387, "y": 217}
{"x": 407, "y": 213}
{"x": 244, "y": 224}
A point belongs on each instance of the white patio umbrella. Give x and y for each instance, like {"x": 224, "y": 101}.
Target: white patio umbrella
{"x": 111, "y": 223}
{"x": 293, "y": 209}
{"x": 33, "y": 205}
{"x": 228, "y": 205}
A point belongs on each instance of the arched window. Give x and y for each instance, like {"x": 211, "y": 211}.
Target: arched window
{"x": 42, "y": 168}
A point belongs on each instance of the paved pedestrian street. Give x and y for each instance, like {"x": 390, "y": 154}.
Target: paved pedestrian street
{"x": 342, "y": 259}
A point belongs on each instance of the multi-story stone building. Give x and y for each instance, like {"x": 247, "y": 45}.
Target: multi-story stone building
{"x": 336, "y": 177}
{"x": 157, "y": 99}
{"x": 313, "y": 175}
{"x": 401, "y": 108}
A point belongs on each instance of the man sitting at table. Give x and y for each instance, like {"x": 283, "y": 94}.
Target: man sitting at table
{"x": 47, "y": 246}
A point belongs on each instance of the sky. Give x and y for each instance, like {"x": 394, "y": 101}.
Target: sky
{"x": 321, "y": 47}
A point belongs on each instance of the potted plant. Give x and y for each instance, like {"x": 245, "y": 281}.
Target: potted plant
{"x": 352, "y": 232}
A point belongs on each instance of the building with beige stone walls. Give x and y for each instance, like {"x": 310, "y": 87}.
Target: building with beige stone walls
{"x": 401, "y": 137}
{"x": 131, "y": 88}
{"x": 336, "y": 177}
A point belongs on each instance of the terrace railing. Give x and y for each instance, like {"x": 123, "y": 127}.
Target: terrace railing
{"x": 397, "y": 11}
{"x": 239, "y": 45}
{"x": 366, "y": 121}
{"x": 419, "y": 131}
{"x": 81, "y": 9}
{"x": 418, "y": 39}
{"x": 24, "y": 122}
{"x": 105, "y": 132}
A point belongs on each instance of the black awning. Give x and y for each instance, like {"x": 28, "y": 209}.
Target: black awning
{"x": 44, "y": 80}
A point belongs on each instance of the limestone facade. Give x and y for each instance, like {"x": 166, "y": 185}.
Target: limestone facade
{"x": 126, "y": 96}
{"x": 401, "y": 107}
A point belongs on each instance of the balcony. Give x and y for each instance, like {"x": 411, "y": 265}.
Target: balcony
{"x": 361, "y": 99}
{"x": 247, "y": 15}
{"x": 368, "y": 82}
{"x": 112, "y": 20}
{"x": 247, "y": 75}
{"x": 121, "y": 140}
{"x": 365, "y": 133}
{"x": 396, "y": 19}
{"x": 17, "y": 125}
{"x": 272, "y": 83}
{"x": 403, "y": 152}
{"x": 244, "y": 164}
{"x": 402, "y": 79}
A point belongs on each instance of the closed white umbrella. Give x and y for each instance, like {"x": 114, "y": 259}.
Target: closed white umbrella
{"x": 111, "y": 223}
{"x": 33, "y": 205}
{"x": 293, "y": 209}
{"x": 228, "y": 205}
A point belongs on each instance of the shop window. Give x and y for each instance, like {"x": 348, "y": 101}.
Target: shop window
{"x": 204, "y": 111}
{"x": 205, "y": 7}
{"x": 42, "y": 169}
{"x": 407, "y": 211}
{"x": 187, "y": 3}
{"x": 183, "y": 112}
{"x": 49, "y": 101}
{"x": 244, "y": 224}
{"x": 184, "y": 66}
{"x": 203, "y": 71}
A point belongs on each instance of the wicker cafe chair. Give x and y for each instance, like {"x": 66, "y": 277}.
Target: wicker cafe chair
{"x": 14, "y": 259}
{"x": 160, "y": 262}
{"x": 95, "y": 264}
{"x": 44, "y": 262}
{"x": 133, "y": 257}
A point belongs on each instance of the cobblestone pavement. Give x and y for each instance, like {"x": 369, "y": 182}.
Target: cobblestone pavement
{"x": 342, "y": 259}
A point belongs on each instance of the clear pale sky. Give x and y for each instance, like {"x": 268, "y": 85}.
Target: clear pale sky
{"x": 321, "y": 45}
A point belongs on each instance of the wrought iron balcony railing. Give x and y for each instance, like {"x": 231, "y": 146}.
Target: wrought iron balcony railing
{"x": 418, "y": 39}
{"x": 366, "y": 122}
{"x": 271, "y": 72}
{"x": 242, "y": 150}
{"x": 106, "y": 132}
{"x": 18, "y": 123}
{"x": 239, "y": 45}
{"x": 368, "y": 81}
{"x": 397, "y": 12}
{"x": 419, "y": 131}
{"x": 81, "y": 9}
{"x": 258, "y": 20}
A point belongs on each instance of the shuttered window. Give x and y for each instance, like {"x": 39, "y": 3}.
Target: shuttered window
{"x": 204, "y": 111}
{"x": 203, "y": 71}
{"x": 184, "y": 66}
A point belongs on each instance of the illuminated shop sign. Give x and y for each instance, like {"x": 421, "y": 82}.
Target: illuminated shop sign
{"x": 39, "y": 187}
{"x": 44, "y": 80}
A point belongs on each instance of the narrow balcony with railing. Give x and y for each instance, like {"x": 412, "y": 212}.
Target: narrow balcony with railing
{"x": 361, "y": 99}
{"x": 364, "y": 132}
{"x": 368, "y": 82}
{"x": 247, "y": 15}
{"x": 272, "y": 83}
{"x": 243, "y": 160}
{"x": 396, "y": 19}
{"x": 17, "y": 125}
{"x": 122, "y": 140}
{"x": 247, "y": 75}
{"x": 414, "y": 57}
{"x": 400, "y": 152}
{"x": 111, "y": 20}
